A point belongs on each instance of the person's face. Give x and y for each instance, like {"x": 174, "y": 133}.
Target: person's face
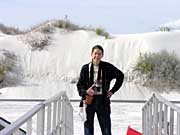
{"x": 96, "y": 56}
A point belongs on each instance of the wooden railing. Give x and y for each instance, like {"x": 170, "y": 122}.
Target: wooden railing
{"x": 160, "y": 117}
{"x": 51, "y": 117}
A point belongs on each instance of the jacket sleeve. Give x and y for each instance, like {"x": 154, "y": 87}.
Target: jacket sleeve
{"x": 82, "y": 83}
{"x": 119, "y": 76}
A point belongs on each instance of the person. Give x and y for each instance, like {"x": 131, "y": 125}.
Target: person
{"x": 95, "y": 78}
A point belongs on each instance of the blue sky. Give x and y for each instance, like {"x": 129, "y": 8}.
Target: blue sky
{"x": 116, "y": 16}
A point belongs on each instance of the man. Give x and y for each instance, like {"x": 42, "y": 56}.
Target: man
{"x": 94, "y": 84}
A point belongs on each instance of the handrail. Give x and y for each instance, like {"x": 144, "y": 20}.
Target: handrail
{"x": 55, "y": 97}
{"x": 10, "y": 129}
{"x": 57, "y": 107}
{"x": 78, "y": 100}
{"x": 173, "y": 106}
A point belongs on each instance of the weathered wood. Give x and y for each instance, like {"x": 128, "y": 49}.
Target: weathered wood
{"x": 171, "y": 124}
{"x": 155, "y": 116}
{"x": 150, "y": 119}
{"x": 40, "y": 122}
{"x": 165, "y": 120}
{"x": 54, "y": 114}
{"x": 158, "y": 117}
{"x": 46, "y": 113}
{"x": 178, "y": 124}
{"x": 49, "y": 108}
{"x": 143, "y": 121}
{"x": 29, "y": 127}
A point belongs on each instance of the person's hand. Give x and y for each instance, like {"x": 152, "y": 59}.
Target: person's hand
{"x": 90, "y": 91}
{"x": 109, "y": 94}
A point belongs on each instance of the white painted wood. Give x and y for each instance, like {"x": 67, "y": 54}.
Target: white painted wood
{"x": 12, "y": 127}
{"x": 54, "y": 114}
{"x": 59, "y": 111}
{"x": 150, "y": 118}
{"x": 147, "y": 120}
{"x": 165, "y": 120}
{"x": 16, "y": 132}
{"x": 160, "y": 119}
{"x": 49, "y": 108}
{"x": 40, "y": 122}
{"x": 143, "y": 121}
{"x": 178, "y": 124}
{"x": 155, "y": 116}
{"x": 60, "y": 117}
{"x": 171, "y": 121}
{"x": 29, "y": 127}
{"x": 63, "y": 132}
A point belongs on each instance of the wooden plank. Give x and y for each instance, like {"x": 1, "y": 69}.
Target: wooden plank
{"x": 155, "y": 116}
{"x": 10, "y": 129}
{"x": 63, "y": 130}
{"x": 147, "y": 120}
{"x": 160, "y": 119}
{"x": 150, "y": 118}
{"x": 165, "y": 124}
{"x": 16, "y": 132}
{"x": 178, "y": 124}
{"x": 173, "y": 106}
{"x": 40, "y": 122}
{"x": 143, "y": 121}
{"x": 29, "y": 127}
{"x": 54, "y": 115}
{"x": 171, "y": 121}
{"x": 49, "y": 119}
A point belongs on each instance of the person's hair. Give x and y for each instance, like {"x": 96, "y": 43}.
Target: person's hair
{"x": 98, "y": 47}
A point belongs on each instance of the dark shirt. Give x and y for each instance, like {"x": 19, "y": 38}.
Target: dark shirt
{"x": 109, "y": 72}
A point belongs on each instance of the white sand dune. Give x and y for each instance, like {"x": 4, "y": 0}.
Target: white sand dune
{"x": 53, "y": 68}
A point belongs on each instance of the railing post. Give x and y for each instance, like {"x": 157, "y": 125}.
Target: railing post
{"x": 155, "y": 114}
{"x": 58, "y": 122}
{"x": 165, "y": 120}
{"x": 150, "y": 117}
{"x": 160, "y": 119}
{"x": 54, "y": 115}
{"x": 29, "y": 127}
{"x": 146, "y": 120}
{"x": 143, "y": 121}
{"x": 59, "y": 117}
{"x": 16, "y": 132}
{"x": 178, "y": 123}
{"x": 49, "y": 109}
{"x": 40, "y": 122}
{"x": 63, "y": 131}
{"x": 171, "y": 124}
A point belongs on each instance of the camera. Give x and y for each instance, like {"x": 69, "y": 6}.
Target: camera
{"x": 97, "y": 86}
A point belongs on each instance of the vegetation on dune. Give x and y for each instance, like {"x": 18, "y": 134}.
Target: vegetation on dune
{"x": 49, "y": 25}
{"x": 158, "y": 70}
{"x": 102, "y": 32}
{"x": 1, "y": 73}
{"x": 68, "y": 25}
{"x": 10, "y": 30}
{"x": 6, "y": 63}
{"x": 165, "y": 28}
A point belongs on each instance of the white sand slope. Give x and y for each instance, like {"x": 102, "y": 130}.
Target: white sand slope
{"x": 61, "y": 61}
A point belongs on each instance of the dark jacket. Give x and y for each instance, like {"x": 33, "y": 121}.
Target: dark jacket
{"x": 109, "y": 72}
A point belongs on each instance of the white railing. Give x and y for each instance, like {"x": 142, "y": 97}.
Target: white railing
{"x": 51, "y": 117}
{"x": 160, "y": 117}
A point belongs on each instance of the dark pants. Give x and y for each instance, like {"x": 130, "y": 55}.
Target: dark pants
{"x": 103, "y": 112}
